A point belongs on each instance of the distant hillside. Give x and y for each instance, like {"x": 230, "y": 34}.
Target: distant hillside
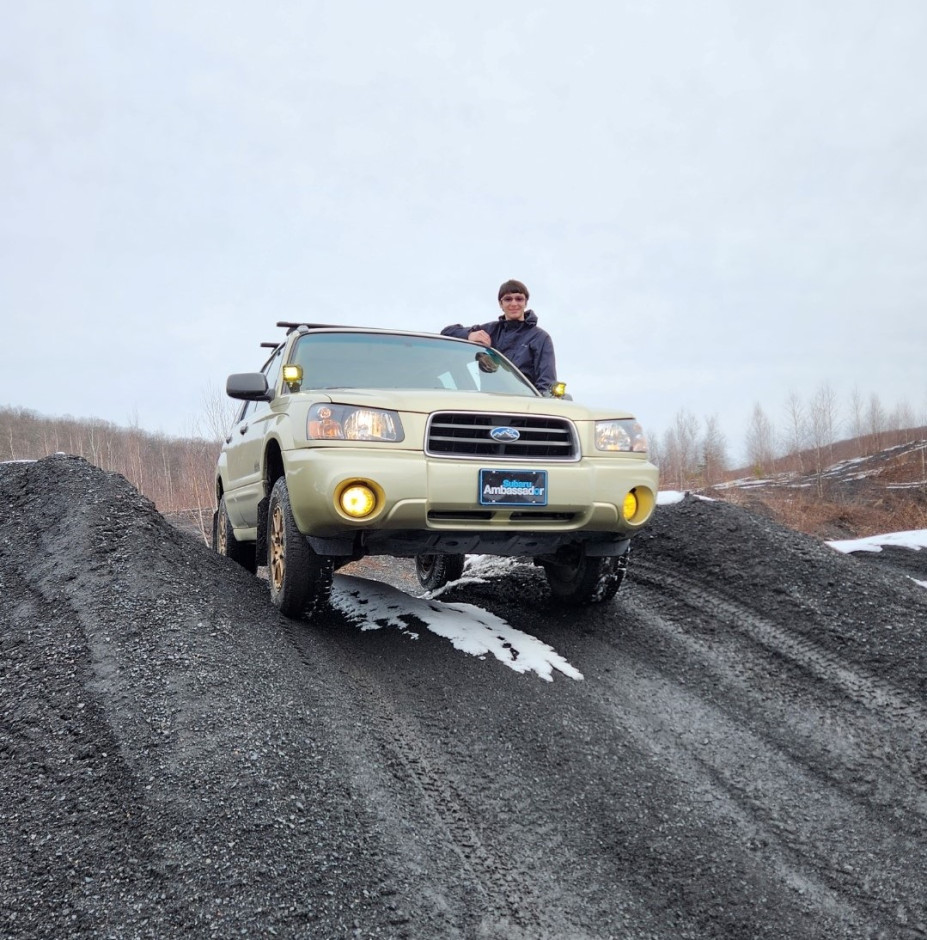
{"x": 853, "y": 497}
{"x": 176, "y": 474}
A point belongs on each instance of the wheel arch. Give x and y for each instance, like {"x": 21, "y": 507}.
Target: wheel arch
{"x": 273, "y": 463}
{"x": 273, "y": 470}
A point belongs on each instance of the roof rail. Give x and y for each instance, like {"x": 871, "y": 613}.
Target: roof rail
{"x": 290, "y": 326}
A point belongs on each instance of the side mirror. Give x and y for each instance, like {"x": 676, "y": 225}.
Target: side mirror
{"x": 488, "y": 361}
{"x": 248, "y": 386}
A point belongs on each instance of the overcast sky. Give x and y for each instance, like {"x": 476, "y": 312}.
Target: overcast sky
{"x": 713, "y": 204}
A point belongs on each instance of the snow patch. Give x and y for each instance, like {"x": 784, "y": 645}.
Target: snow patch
{"x": 915, "y": 539}
{"x": 374, "y": 605}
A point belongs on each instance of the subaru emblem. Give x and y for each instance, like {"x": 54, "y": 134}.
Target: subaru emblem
{"x": 504, "y": 435}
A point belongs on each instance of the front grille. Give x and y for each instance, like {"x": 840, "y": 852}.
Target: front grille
{"x": 466, "y": 434}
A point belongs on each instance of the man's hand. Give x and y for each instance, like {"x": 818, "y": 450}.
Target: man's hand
{"x": 480, "y": 336}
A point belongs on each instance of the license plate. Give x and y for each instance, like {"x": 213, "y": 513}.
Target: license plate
{"x": 513, "y": 487}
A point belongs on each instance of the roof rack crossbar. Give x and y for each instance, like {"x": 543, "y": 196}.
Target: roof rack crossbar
{"x": 290, "y": 326}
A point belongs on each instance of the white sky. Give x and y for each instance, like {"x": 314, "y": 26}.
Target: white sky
{"x": 713, "y": 203}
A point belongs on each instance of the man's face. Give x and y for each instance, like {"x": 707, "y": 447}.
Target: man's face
{"x": 513, "y": 306}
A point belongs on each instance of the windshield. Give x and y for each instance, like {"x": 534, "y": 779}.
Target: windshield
{"x": 381, "y": 360}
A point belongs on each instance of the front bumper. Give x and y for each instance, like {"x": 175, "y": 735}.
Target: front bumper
{"x": 440, "y": 496}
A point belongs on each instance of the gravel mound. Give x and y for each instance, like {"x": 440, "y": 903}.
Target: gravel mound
{"x": 159, "y": 780}
{"x": 745, "y": 756}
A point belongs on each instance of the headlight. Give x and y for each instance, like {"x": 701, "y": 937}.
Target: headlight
{"x": 620, "y": 434}
{"x": 349, "y": 423}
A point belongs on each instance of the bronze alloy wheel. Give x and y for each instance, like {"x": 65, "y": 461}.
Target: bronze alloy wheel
{"x": 300, "y": 579}
{"x": 222, "y": 540}
{"x": 225, "y": 543}
{"x": 277, "y": 548}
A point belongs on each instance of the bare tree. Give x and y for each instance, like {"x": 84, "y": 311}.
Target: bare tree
{"x": 686, "y": 426}
{"x": 654, "y": 451}
{"x": 857, "y": 416}
{"x": 680, "y": 452}
{"x": 714, "y": 452}
{"x": 823, "y": 423}
{"x": 670, "y": 471}
{"x": 876, "y": 422}
{"x": 795, "y": 435}
{"x": 901, "y": 420}
{"x": 219, "y": 413}
{"x": 761, "y": 450}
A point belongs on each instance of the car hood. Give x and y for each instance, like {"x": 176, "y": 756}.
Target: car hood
{"x": 425, "y": 401}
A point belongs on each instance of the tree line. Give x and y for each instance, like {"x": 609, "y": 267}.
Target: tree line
{"x": 176, "y": 474}
{"x": 808, "y": 436}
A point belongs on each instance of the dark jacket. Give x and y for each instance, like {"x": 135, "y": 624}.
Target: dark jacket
{"x": 522, "y": 341}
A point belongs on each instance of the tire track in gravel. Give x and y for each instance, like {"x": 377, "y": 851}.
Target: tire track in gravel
{"x": 862, "y": 739}
{"x": 874, "y": 693}
{"x": 816, "y": 799}
{"x": 508, "y": 907}
{"x": 888, "y": 725}
{"x": 715, "y": 792}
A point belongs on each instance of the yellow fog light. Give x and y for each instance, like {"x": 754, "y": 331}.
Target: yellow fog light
{"x": 293, "y": 376}
{"x": 358, "y": 500}
{"x": 629, "y": 507}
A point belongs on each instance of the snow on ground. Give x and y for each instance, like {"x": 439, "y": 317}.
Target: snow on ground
{"x": 916, "y": 539}
{"x": 373, "y": 605}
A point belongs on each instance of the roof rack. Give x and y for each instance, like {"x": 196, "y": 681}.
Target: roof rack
{"x": 290, "y": 326}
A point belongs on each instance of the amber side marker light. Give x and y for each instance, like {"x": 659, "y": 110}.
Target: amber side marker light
{"x": 357, "y": 500}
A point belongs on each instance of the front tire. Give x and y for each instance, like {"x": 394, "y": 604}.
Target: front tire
{"x": 434, "y": 571}
{"x": 225, "y": 543}
{"x": 300, "y": 580}
{"x": 582, "y": 579}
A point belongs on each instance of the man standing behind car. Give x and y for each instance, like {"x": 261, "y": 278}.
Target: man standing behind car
{"x": 516, "y": 335}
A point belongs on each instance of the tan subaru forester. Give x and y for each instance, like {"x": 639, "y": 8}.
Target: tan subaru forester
{"x": 355, "y": 441}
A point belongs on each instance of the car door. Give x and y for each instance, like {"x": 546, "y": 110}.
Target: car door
{"x": 245, "y": 453}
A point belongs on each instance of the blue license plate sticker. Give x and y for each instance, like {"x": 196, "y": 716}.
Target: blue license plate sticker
{"x": 513, "y": 487}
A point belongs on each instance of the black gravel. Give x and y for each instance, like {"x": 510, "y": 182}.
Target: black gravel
{"x": 745, "y": 756}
